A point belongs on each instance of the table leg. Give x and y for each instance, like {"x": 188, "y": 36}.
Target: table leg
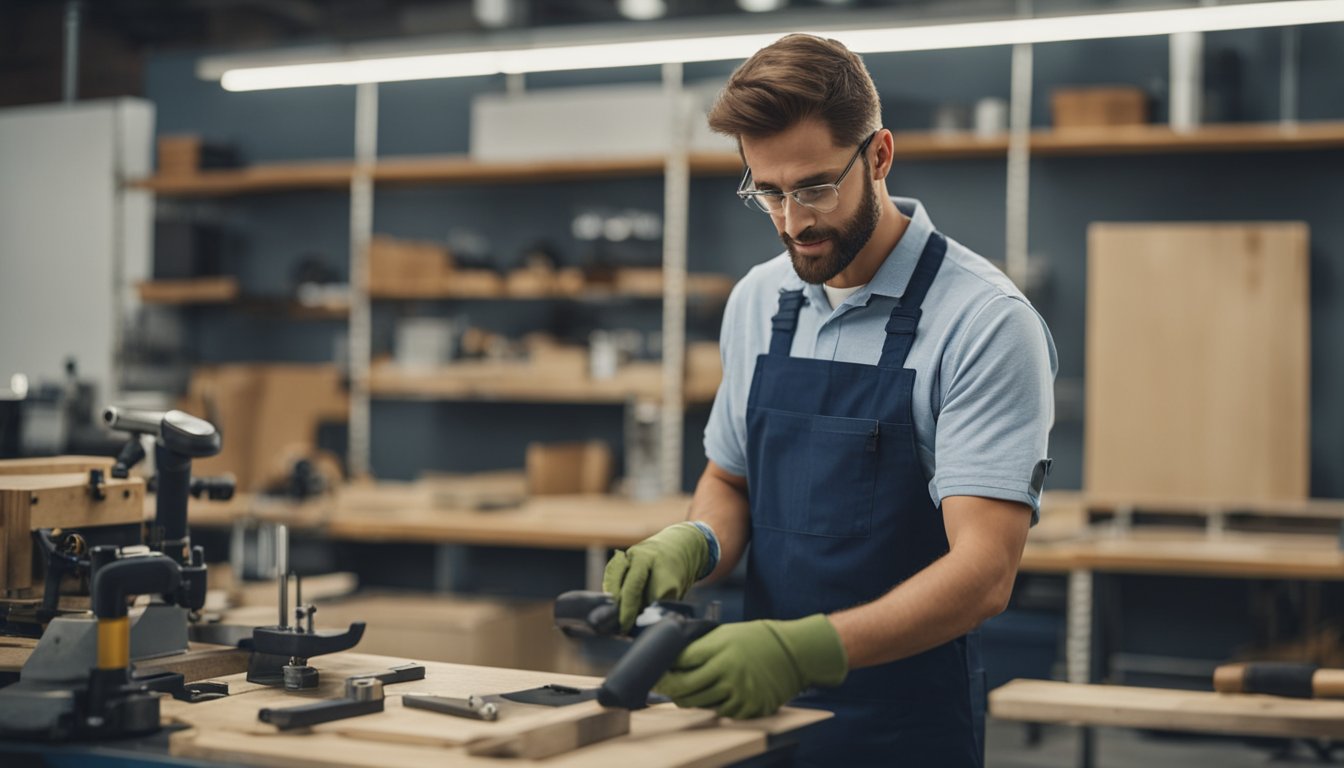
{"x": 595, "y": 565}
{"x": 1078, "y": 648}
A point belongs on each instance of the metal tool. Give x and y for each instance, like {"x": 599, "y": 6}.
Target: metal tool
{"x": 473, "y": 706}
{"x": 363, "y": 696}
{"x": 660, "y": 634}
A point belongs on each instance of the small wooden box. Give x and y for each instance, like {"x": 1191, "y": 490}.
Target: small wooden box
{"x": 564, "y": 468}
{"x": 61, "y": 499}
{"x": 1099, "y": 106}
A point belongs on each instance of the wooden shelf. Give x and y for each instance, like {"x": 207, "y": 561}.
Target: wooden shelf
{"x": 702, "y": 286}
{"x": 909, "y": 145}
{"x": 523, "y": 382}
{"x": 198, "y": 290}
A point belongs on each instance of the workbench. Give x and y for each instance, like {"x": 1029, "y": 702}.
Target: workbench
{"x": 1067, "y": 542}
{"x": 405, "y": 512}
{"x": 663, "y": 736}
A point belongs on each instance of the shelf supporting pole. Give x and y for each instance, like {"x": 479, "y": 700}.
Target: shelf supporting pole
{"x": 1288, "y": 72}
{"x": 1016, "y": 206}
{"x": 676, "y": 205}
{"x": 361, "y": 314}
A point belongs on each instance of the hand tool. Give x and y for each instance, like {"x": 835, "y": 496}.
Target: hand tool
{"x": 363, "y": 696}
{"x": 473, "y": 706}
{"x": 660, "y": 634}
{"x": 1280, "y": 678}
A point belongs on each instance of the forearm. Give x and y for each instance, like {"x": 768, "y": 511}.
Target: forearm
{"x": 951, "y": 596}
{"x": 720, "y": 500}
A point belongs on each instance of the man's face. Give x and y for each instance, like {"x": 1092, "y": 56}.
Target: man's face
{"x": 821, "y": 245}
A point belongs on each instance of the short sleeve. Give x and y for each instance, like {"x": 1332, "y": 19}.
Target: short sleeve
{"x": 997, "y": 406}
{"x": 726, "y": 432}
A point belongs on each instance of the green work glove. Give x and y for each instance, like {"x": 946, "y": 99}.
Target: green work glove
{"x": 751, "y": 669}
{"x": 661, "y": 567}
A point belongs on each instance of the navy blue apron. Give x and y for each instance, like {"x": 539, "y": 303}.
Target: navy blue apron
{"x": 841, "y": 514}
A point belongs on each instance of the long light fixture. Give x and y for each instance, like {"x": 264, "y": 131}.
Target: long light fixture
{"x": 909, "y": 37}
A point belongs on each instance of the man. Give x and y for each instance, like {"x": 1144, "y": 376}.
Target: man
{"x": 879, "y": 439}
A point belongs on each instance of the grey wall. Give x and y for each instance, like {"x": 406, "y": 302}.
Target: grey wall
{"x": 964, "y": 197}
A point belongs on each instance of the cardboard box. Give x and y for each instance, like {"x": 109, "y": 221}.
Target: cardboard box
{"x": 566, "y": 468}
{"x": 591, "y": 122}
{"x": 266, "y": 415}
{"x": 492, "y": 632}
{"x": 405, "y": 268}
{"x": 1099, "y": 106}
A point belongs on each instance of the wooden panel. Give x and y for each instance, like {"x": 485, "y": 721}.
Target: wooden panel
{"x": 1042, "y": 701}
{"x": 1198, "y": 361}
{"x": 202, "y": 661}
{"x": 196, "y": 290}
{"x": 1232, "y": 555}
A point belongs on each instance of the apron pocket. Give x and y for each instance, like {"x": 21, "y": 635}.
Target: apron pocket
{"x": 842, "y": 474}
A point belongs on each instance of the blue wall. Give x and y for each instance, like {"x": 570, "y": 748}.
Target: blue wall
{"x": 964, "y": 197}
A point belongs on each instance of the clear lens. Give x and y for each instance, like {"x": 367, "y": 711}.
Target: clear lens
{"x": 823, "y": 199}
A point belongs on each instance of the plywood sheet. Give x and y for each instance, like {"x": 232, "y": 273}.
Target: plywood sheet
{"x": 1044, "y": 701}
{"x": 1198, "y": 361}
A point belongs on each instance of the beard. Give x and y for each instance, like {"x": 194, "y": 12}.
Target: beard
{"x": 846, "y": 241}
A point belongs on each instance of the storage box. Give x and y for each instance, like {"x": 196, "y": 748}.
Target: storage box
{"x": 492, "y": 632}
{"x": 407, "y": 268}
{"x": 605, "y": 121}
{"x": 1099, "y": 106}
{"x": 186, "y": 154}
{"x": 425, "y": 342}
{"x": 563, "y": 468}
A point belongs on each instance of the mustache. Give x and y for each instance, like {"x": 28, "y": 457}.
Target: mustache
{"x": 809, "y": 235}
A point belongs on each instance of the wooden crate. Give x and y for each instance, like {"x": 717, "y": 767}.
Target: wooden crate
{"x": 1098, "y": 106}
{"x": 1198, "y": 361}
{"x": 59, "y": 500}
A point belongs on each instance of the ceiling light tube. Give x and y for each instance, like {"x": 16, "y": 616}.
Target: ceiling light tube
{"x": 913, "y": 37}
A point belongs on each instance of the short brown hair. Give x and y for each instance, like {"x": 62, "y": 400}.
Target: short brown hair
{"x": 796, "y": 78}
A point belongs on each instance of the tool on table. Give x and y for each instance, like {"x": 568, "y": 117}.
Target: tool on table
{"x": 660, "y": 634}
{"x": 1280, "y": 678}
{"x": 79, "y": 683}
{"x": 363, "y": 696}
{"x": 280, "y": 652}
{"x": 473, "y": 706}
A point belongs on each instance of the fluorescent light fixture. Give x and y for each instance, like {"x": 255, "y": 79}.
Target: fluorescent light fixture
{"x": 871, "y": 39}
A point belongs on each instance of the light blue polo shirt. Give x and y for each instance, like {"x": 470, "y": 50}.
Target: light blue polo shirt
{"x": 984, "y": 363}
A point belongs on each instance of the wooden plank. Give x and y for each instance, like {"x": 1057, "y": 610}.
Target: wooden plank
{"x": 1044, "y": 701}
{"x": 55, "y": 465}
{"x": 555, "y": 733}
{"x": 197, "y": 290}
{"x": 1198, "y": 361}
{"x": 1259, "y": 555}
{"x": 202, "y": 661}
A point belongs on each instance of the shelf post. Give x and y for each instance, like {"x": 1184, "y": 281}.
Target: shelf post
{"x": 676, "y": 205}
{"x": 1016, "y": 206}
{"x": 361, "y": 316}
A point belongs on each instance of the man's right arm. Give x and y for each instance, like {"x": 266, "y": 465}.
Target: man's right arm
{"x": 720, "y": 501}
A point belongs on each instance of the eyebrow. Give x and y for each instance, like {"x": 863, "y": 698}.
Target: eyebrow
{"x": 807, "y": 181}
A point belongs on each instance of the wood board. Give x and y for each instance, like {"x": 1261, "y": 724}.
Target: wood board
{"x": 1198, "y": 361}
{"x": 227, "y": 729}
{"x": 1046, "y": 701}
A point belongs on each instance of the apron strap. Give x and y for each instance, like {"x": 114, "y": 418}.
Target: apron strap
{"x": 905, "y": 317}
{"x": 785, "y": 321}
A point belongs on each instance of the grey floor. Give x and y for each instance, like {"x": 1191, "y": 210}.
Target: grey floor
{"x": 1007, "y": 747}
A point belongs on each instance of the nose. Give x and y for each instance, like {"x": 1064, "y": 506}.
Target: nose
{"x": 795, "y": 217}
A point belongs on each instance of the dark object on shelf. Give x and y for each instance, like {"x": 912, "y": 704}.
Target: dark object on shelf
{"x": 312, "y": 269}
{"x": 542, "y": 254}
{"x": 184, "y": 248}
{"x": 185, "y": 154}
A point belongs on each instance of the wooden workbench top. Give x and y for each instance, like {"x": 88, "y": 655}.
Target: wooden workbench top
{"x": 1191, "y": 553}
{"x": 228, "y": 729}
{"x": 1046, "y": 701}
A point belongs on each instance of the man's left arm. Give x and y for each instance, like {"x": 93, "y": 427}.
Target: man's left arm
{"x": 950, "y": 597}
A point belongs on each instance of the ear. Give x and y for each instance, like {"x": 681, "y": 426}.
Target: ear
{"x": 883, "y": 153}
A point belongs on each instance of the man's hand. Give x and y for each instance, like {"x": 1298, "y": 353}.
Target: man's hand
{"x": 661, "y": 567}
{"x": 751, "y": 669}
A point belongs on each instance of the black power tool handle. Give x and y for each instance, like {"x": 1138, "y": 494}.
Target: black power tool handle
{"x": 652, "y": 654}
